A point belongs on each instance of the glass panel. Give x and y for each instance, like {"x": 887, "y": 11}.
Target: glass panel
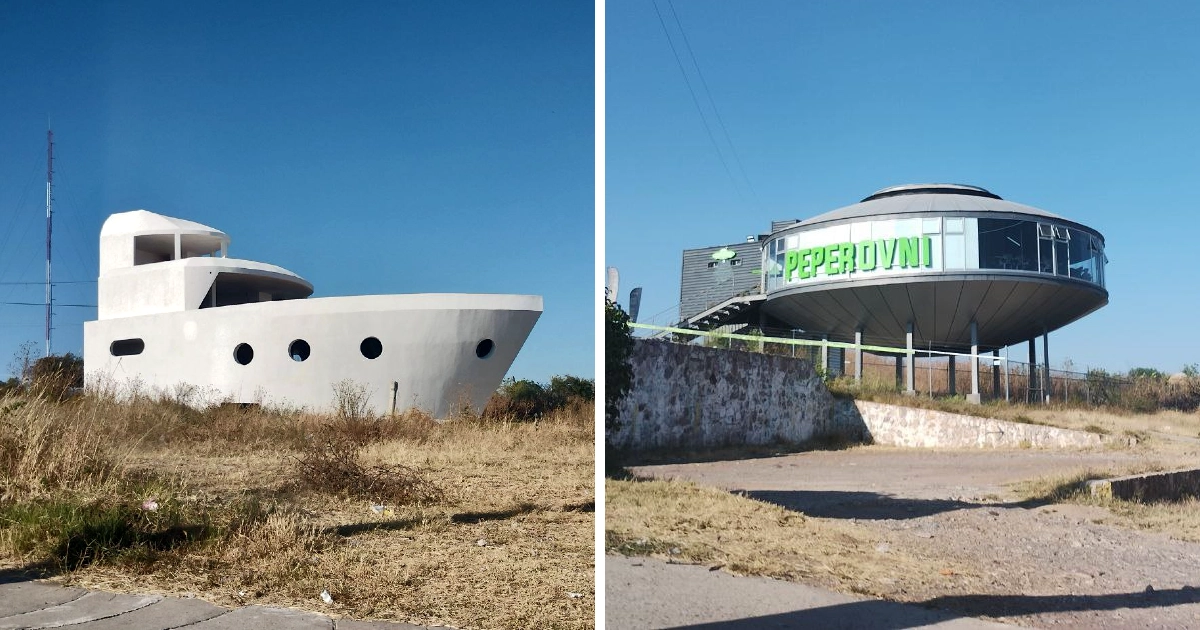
{"x": 954, "y": 226}
{"x": 1083, "y": 261}
{"x": 931, "y": 226}
{"x": 1060, "y": 258}
{"x": 1007, "y": 244}
{"x": 860, "y": 232}
{"x": 1045, "y": 254}
{"x": 908, "y": 227}
{"x": 883, "y": 229}
{"x": 1045, "y": 230}
{"x": 956, "y": 250}
{"x": 773, "y": 265}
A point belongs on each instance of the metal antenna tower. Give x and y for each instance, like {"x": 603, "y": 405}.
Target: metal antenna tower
{"x": 49, "y": 228}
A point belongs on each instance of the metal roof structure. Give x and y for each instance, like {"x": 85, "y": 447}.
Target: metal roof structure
{"x": 917, "y": 199}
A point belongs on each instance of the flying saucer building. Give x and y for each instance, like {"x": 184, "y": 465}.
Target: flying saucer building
{"x": 943, "y": 266}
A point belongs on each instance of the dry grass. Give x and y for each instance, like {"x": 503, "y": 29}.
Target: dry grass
{"x": 503, "y": 542}
{"x": 683, "y": 521}
{"x": 1124, "y": 427}
{"x": 1179, "y": 519}
{"x": 1168, "y": 423}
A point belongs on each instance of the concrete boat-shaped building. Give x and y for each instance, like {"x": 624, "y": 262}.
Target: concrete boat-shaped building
{"x": 174, "y": 309}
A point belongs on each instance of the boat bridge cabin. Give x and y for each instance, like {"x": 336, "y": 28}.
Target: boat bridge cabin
{"x": 150, "y": 263}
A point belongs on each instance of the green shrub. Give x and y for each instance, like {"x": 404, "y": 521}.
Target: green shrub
{"x": 56, "y": 375}
{"x": 529, "y": 400}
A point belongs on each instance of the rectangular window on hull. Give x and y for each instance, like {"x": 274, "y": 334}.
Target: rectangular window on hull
{"x": 126, "y": 347}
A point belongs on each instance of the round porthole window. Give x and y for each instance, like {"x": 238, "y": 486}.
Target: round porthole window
{"x": 484, "y": 349}
{"x": 243, "y": 354}
{"x": 371, "y": 348}
{"x": 298, "y": 350}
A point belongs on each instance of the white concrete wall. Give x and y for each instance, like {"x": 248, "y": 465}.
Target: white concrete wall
{"x": 144, "y": 290}
{"x": 429, "y": 343}
{"x": 178, "y": 285}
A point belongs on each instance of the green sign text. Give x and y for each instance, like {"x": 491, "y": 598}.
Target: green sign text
{"x": 906, "y": 253}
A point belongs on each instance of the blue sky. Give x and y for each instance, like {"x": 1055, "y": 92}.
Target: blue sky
{"x": 1090, "y": 110}
{"x": 371, "y": 147}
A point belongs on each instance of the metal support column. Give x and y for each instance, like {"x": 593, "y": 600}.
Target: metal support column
{"x": 996, "y": 374}
{"x": 953, "y": 375}
{"x": 858, "y": 356}
{"x": 974, "y": 396}
{"x": 824, "y": 354}
{"x": 1007, "y": 369}
{"x": 1032, "y": 392}
{"x": 1047, "y": 386}
{"x": 899, "y": 375}
{"x": 911, "y": 389}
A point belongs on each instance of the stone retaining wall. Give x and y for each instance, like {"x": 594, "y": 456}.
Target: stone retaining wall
{"x": 693, "y": 397}
{"x": 687, "y": 396}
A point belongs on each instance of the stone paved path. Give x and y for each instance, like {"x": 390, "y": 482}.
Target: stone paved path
{"x": 32, "y": 604}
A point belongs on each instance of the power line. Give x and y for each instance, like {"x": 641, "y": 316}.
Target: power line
{"x": 41, "y": 283}
{"x": 80, "y": 245}
{"x": 696, "y": 102}
{"x": 16, "y": 214}
{"x": 716, "y": 112}
{"x": 43, "y": 304}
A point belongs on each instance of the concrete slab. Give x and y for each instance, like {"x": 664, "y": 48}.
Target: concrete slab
{"x": 22, "y": 597}
{"x": 90, "y": 607}
{"x": 264, "y": 617}
{"x": 647, "y": 593}
{"x": 167, "y": 613}
{"x": 27, "y": 604}
{"x": 30, "y": 604}
{"x": 351, "y": 624}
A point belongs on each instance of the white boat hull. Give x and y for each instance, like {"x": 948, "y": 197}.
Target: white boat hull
{"x": 429, "y": 352}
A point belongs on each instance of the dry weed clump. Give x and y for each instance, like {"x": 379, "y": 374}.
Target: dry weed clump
{"x": 334, "y": 465}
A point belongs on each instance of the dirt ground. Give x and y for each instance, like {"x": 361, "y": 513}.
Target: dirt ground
{"x": 1014, "y": 561}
